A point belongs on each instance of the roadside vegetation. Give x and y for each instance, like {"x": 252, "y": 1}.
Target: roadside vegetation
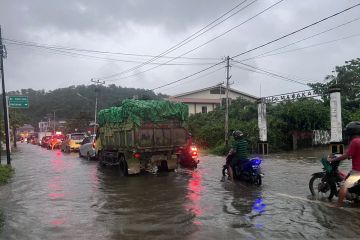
{"x": 284, "y": 119}
{"x": 5, "y": 174}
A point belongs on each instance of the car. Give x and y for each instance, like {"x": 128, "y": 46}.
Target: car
{"x": 55, "y": 141}
{"x": 72, "y": 142}
{"x": 45, "y": 141}
{"x": 87, "y": 148}
{"x": 33, "y": 139}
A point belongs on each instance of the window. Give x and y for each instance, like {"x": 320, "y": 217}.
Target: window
{"x": 217, "y": 90}
{"x": 204, "y": 109}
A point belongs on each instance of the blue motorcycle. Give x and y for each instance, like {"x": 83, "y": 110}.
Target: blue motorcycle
{"x": 249, "y": 171}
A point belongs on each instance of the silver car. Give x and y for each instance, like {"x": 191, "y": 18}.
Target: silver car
{"x": 87, "y": 148}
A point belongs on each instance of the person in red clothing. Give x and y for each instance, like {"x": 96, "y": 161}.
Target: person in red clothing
{"x": 353, "y": 152}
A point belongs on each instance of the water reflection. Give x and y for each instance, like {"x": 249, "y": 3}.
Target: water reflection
{"x": 194, "y": 195}
{"x": 56, "y": 187}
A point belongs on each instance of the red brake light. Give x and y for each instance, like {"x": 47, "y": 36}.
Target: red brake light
{"x": 94, "y": 144}
{"x": 137, "y": 155}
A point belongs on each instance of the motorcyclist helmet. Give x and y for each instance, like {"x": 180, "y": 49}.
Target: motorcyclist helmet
{"x": 352, "y": 128}
{"x": 237, "y": 134}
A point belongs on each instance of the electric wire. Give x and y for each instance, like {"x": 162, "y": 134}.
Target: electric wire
{"x": 199, "y": 77}
{"x": 55, "y": 47}
{"x": 207, "y": 42}
{"x": 301, "y": 40}
{"x": 266, "y": 72}
{"x": 193, "y": 74}
{"x": 69, "y": 53}
{"x": 309, "y": 46}
{"x": 181, "y": 43}
{"x": 296, "y": 31}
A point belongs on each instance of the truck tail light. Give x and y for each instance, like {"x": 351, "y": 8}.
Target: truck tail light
{"x": 137, "y": 155}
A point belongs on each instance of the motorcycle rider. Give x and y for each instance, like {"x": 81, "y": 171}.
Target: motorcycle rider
{"x": 238, "y": 154}
{"x": 353, "y": 152}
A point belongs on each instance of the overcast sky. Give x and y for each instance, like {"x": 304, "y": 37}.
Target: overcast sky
{"x": 150, "y": 27}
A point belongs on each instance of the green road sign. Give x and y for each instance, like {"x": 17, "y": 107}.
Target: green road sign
{"x": 18, "y": 102}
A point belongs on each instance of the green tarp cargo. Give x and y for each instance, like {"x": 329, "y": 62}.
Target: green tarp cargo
{"x": 137, "y": 111}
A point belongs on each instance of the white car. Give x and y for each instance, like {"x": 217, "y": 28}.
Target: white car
{"x": 87, "y": 148}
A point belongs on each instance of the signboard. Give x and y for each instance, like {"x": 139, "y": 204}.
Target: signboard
{"x": 18, "y": 102}
{"x": 291, "y": 96}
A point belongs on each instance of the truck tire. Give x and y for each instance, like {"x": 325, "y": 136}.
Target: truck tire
{"x": 163, "y": 166}
{"x": 123, "y": 166}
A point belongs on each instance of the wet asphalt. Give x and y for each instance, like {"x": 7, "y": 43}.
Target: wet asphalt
{"x": 54, "y": 195}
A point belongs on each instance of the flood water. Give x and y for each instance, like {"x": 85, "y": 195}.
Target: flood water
{"x": 60, "y": 196}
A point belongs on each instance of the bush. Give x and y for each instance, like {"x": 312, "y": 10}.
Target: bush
{"x": 5, "y": 173}
{"x": 221, "y": 149}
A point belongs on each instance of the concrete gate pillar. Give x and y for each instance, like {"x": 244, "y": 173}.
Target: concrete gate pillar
{"x": 262, "y": 143}
{"x": 336, "y": 141}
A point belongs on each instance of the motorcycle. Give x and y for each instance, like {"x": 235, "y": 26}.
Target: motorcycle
{"x": 326, "y": 184}
{"x": 250, "y": 171}
{"x": 188, "y": 157}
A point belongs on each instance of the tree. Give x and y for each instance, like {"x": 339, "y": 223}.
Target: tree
{"x": 17, "y": 119}
{"x": 347, "y": 78}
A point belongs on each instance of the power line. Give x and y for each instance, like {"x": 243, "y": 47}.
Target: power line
{"x": 181, "y": 79}
{"x": 296, "y": 31}
{"x": 68, "y": 53}
{"x": 202, "y": 76}
{"x": 301, "y": 40}
{"x": 266, "y": 72}
{"x": 309, "y": 46}
{"x": 231, "y": 29}
{"x": 181, "y": 43}
{"x": 55, "y": 47}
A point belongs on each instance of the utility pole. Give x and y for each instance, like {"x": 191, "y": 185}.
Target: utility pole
{"x": 97, "y": 82}
{"x": 227, "y": 101}
{"x": 54, "y": 124}
{"x": 7, "y": 139}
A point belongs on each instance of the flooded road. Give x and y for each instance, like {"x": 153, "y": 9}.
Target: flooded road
{"x": 60, "y": 196}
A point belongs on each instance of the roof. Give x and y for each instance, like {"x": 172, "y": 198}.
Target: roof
{"x": 194, "y": 100}
{"x": 212, "y": 87}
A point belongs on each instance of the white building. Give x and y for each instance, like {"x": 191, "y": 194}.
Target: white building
{"x": 207, "y": 99}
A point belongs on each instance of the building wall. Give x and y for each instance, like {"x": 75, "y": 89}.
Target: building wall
{"x": 197, "y": 108}
{"x": 207, "y": 95}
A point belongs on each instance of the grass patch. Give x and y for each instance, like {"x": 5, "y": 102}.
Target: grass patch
{"x": 2, "y": 221}
{"x": 5, "y": 173}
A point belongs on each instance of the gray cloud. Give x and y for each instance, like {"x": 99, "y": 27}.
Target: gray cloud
{"x": 150, "y": 27}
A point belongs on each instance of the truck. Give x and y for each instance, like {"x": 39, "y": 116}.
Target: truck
{"x": 142, "y": 135}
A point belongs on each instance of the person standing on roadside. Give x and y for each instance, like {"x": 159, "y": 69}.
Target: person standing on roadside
{"x": 353, "y": 131}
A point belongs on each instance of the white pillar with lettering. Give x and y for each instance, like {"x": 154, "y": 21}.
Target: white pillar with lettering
{"x": 262, "y": 120}
{"x": 335, "y": 115}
